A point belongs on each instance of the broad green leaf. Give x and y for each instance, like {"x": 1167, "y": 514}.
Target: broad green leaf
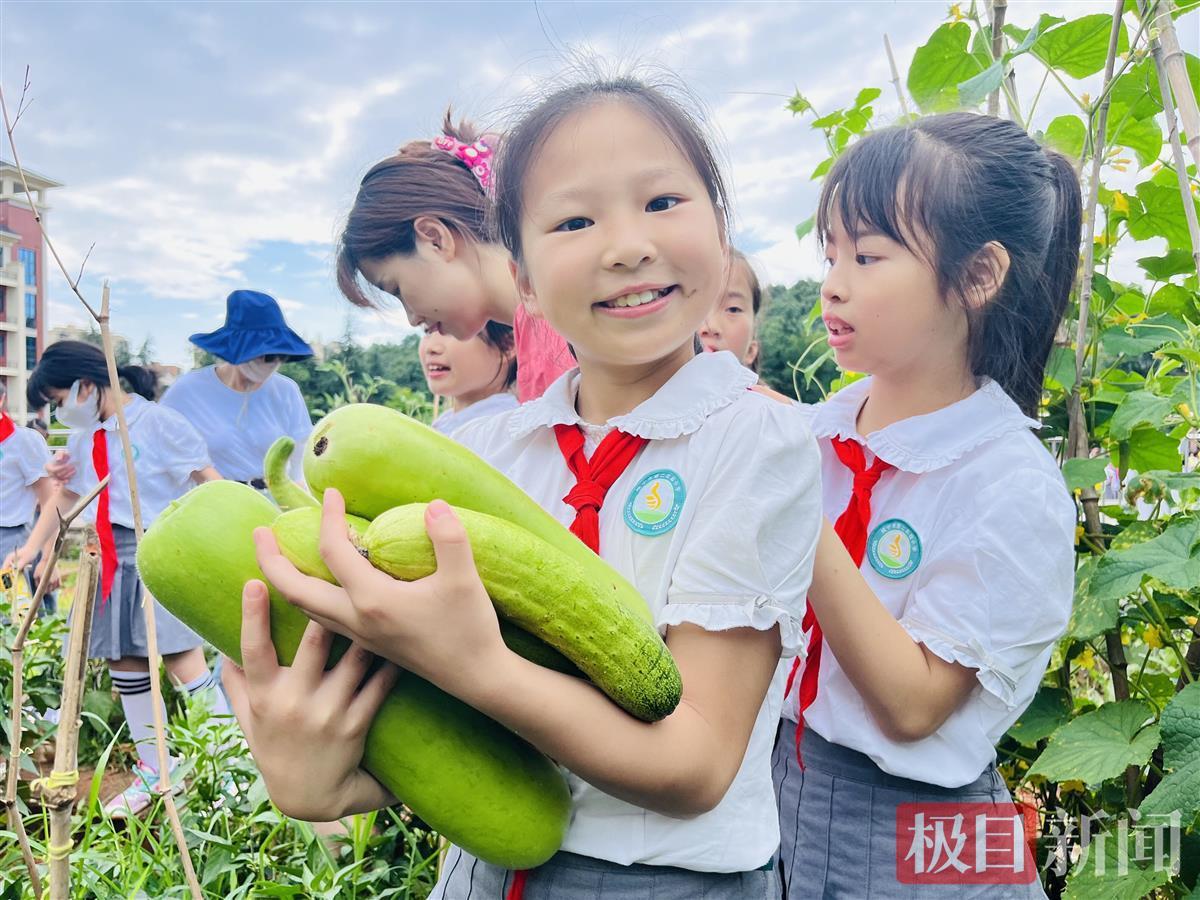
{"x": 829, "y": 121}
{"x": 1142, "y": 136}
{"x": 1051, "y": 707}
{"x": 1027, "y": 38}
{"x": 1079, "y": 47}
{"x": 805, "y": 227}
{"x": 1100, "y": 744}
{"x": 1138, "y": 87}
{"x": 1174, "y": 300}
{"x": 1131, "y": 303}
{"x": 1173, "y": 481}
{"x": 1091, "y": 615}
{"x": 1111, "y": 870}
{"x": 1150, "y": 449}
{"x": 1162, "y": 215}
{"x": 1117, "y": 341}
{"x": 1138, "y": 408}
{"x": 1181, "y": 758}
{"x": 940, "y": 65}
{"x": 865, "y": 96}
{"x": 821, "y": 169}
{"x": 974, "y": 90}
{"x": 1060, "y": 369}
{"x": 1135, "y": 533}
{"x": 1083, "y": 473}
{"x": 1175, "y": 262}
{"x": 1172, "y": 558}
{"x": 1066, "y": 134}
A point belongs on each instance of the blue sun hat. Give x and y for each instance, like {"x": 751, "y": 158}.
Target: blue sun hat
{"x": 253, "y": 327}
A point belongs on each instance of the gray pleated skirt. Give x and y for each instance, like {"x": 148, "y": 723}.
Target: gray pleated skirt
{"x": 119, "y": 626}
{"x": 837, "y": 820}
{"x": 568, "y": 876}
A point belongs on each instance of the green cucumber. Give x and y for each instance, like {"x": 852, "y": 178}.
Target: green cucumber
{"x": 379, "y": 458}
{"x": 472, "y": 780}
{"x": 285, "y": 492}
{"x": 547, "y": 594}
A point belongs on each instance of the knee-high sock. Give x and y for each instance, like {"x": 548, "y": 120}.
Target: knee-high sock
{"x": 137, "y": 701}
{"x": 206, "y": 686}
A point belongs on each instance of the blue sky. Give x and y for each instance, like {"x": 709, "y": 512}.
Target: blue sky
{"x": 211, "y": 146}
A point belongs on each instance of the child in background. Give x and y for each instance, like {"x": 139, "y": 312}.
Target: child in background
{"x": 732, "y": 324}
{"x": 476, "y": 376}
{"x": 419, "y": 230}
{"x": 951, "y": 246}
{"x": 169, "y": 456}
{"x": 24, "y": 486}
{"x": 614, "y": 211}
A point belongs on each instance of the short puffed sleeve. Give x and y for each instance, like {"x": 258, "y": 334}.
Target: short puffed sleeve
{"x": 178, "y": 445}
{"x": 32, "y": 455}
{"x": 79, "y": 449}
{"x": 995, "y": 588}
{"x": 747, "y": 555}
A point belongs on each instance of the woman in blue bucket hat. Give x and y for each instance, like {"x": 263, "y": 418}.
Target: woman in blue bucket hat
{"x": 242, "y": 404}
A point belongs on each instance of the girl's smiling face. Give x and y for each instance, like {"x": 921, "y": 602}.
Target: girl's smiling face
{"x": 468, "y": 370}
{"x": 883, "y": 308}
{"x": 623, "y": 251}
{"x": 730, "y": 326}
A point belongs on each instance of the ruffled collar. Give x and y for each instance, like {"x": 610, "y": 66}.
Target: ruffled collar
{"x": 705, "y": 384}
{"x": 924, "y": 443}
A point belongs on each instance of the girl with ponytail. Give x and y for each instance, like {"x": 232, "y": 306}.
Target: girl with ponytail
{"x": 951, "y": 245}
{"x": 169, "y": 455}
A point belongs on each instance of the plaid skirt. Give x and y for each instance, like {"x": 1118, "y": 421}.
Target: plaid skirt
{"x": 119, "y": 625}
{"x": 845, "y": 836}
{"x": 569, "y": 876}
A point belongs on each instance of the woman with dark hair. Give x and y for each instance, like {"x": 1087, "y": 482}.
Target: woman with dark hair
{"x": 420, "y": 231}
{"x": 168, "y": 457}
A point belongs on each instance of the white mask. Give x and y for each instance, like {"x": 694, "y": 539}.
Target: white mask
{"x": 79, "y": 416}
{"x": 257, "y": 370}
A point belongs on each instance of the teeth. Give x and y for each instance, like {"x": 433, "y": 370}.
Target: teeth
{"x": 635, "y": 299}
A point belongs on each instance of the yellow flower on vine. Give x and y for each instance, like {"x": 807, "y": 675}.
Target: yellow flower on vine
{"x": 1071, "y": 785}
{"x": 1086, "y": 659}
{"x": 1153, "y": 637}
{"x": 956, "y": 13}
{"x": 1120, "y": 203}
{"x": 1085, "y": 98}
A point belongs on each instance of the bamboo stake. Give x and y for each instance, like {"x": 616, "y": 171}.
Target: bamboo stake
{"x": 58, "y": 791}
{"x": 1176, "y": 65}
{"x": 999, "y": 8}
{"x": 18, "y": 701}
{"x": 887, "y": 44}
{"x": 148, "y": 608}
{"x": 160, "y": 741}
{"x": 1181, "y": 175}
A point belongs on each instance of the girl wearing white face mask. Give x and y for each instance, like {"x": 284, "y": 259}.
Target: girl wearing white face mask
{"x": 242, "y": 405}
{"x": 169, "y": 456}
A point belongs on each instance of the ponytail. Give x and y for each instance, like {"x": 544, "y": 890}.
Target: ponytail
{"x": 65, "y": 362}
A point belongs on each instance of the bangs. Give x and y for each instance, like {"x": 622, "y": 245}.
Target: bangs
{"x": 888, "y": 184}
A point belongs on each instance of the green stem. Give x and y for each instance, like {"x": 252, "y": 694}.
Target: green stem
{"x": 1036, "y": 98}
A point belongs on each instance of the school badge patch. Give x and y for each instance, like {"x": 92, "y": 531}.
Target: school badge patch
{"x": 894, "y": 549}
{"x": 655, "y": 503}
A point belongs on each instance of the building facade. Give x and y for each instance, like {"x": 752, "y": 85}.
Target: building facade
{"x": 23, "y": 274}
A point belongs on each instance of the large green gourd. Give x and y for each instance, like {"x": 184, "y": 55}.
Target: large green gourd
{"x": 472, "y": 780}
{"x": 379, "y": 458}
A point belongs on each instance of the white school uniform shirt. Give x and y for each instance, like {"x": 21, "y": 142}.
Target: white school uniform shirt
{"x": 450, "y": 421}
{"x": 987, "y": 583}
{"x": 738, "y": 554}
{"x": 23, "y": 457}
{"x": 239, "y": 426}
{"x": 166, "y": 451}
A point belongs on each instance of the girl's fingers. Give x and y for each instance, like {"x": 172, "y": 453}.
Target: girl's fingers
{"x": 352, "y": 572}
{"x": 313, "y": 652}
{"x": 258, "y": 651}
{"x": 319, "y": 599}
{"x": 348, "y": 674}
{"x": 451, "y": 547}
{"x": 233, "y": 679}
{"x": 366, "y": 702}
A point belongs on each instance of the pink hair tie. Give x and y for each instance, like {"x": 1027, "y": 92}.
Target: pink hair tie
{"x": 477, "y": 157}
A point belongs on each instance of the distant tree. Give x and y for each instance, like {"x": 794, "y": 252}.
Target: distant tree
{"x": 794, "y": 357}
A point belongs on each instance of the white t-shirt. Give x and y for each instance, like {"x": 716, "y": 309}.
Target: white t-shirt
{"x": 237, "y": 426}
{"x": 449, "y": 422}
{"x": 987, "y": 582}
{"x": 715, "y": 522}
{"x": 166, "y": 451}
{"x": 23, "y": 457}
